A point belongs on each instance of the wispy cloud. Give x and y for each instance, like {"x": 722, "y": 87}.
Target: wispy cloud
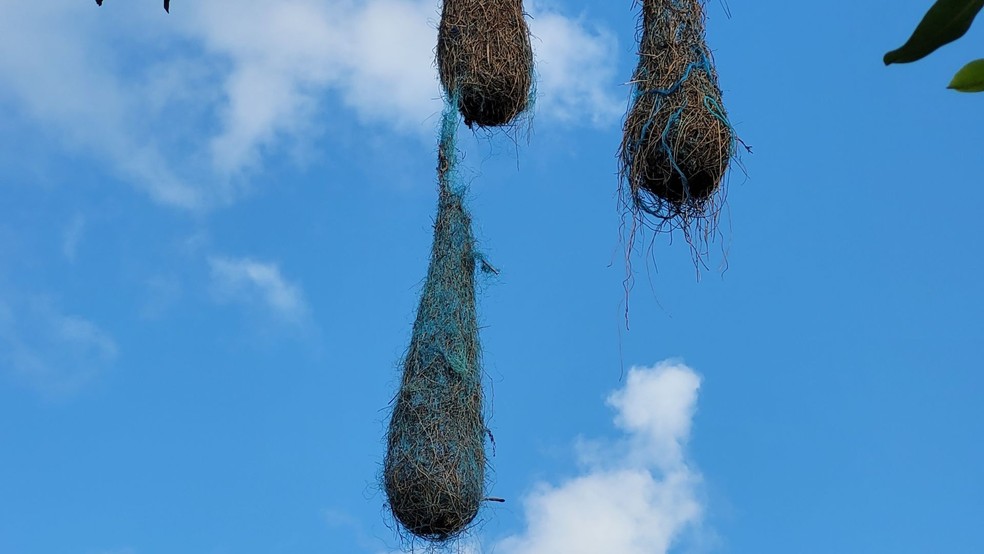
{"x": 635, "y": 495}
{"x": 223, "y": 83}
{"x": 60, "y": 72}
{"x": 53, "y": 352}
{"x": 258, "y": 284}
{"x": 284, "y": 56}
{"x": 576, "y": 64}
{"x": 72, "y": 236}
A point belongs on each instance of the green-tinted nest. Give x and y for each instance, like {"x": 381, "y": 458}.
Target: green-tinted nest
{"x": 677, "y": 141}
{"x": 434, "y": 471}
{"x": 485, "y": 59}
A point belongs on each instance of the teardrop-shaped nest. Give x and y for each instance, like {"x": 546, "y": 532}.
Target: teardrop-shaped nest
{"x": 677, "y": 141}
{"x": 434, "y": 470}
{"x": 485, "y": 59}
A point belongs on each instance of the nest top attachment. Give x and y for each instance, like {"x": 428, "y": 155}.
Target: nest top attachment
{"x": 485, "y": 59}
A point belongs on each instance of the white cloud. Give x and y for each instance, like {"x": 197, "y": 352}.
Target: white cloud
{"x": 259, "y": 284}
{"x": 61, "y": 75}
{"x": 53, "y": 352}
{"x": 656, "y": 409}
{"x": 184, "y": 105}
{"x": 285, "y": 55}
{"x": 636, "y": 495}
{"x": 576, "y": 64}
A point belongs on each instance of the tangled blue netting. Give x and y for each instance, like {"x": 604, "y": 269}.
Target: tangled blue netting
{"x": 434, "y": 470}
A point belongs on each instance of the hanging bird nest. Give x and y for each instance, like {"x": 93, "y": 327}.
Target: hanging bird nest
{"x": 434, "y": 471}
{"x": 677, "y": 141}
{"x": 485, "y": 59}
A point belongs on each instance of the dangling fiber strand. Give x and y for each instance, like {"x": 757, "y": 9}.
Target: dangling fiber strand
{"x": 434, "y": 471}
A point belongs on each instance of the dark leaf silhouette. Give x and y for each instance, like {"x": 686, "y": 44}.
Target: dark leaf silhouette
{"x": 944, "y": 23}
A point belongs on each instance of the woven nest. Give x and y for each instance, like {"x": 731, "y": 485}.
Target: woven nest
{"x": 435, "y": 467}
{"x": 677, "y": 141}
{"x": 485, "y": 59}
{"x": 434, "y": 471}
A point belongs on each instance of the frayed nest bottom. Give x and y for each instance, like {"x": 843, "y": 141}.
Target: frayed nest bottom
{"x": 676, "y": 148}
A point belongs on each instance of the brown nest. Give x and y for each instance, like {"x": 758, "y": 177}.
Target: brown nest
{"x": 677, "y": 140}
{"x": 485, "y": 59}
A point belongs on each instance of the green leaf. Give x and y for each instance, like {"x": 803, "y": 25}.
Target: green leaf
{"x": 970, "y": 78}
{"x": 944, "y": 23}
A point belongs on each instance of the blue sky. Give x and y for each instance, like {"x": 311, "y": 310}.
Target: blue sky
{"x": 214, "y": 226}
